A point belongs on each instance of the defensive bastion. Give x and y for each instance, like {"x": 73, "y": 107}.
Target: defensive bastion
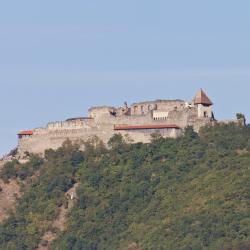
{"x": 138, "y": 121}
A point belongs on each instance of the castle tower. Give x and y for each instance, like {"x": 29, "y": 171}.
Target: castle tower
{"x": 203, "y": 104}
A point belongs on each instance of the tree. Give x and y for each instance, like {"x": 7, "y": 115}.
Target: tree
{"x": 156, "y": 136}
{"x": 116, "y": 141}
{"x": 189, "y": 133}
{"x": 241, "y": 116}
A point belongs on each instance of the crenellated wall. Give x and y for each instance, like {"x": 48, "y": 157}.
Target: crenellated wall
{"x": 101, "y": 121}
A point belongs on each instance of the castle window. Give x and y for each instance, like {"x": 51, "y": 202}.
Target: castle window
{"x": 135, "y": 109}
{"x": 142, "y": 109}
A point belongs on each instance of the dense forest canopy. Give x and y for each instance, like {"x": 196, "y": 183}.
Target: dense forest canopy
{"x": 187, "y": 193}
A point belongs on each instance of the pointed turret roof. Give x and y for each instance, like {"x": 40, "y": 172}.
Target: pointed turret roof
{"x": 201, "y": 98}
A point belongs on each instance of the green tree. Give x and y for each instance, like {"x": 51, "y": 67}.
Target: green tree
{"x": 116, "y": 141}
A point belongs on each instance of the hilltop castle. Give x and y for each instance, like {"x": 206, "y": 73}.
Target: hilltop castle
{"x": 138, "y": 121}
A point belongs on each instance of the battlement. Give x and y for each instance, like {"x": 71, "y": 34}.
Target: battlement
{"x": 138, "y": 121}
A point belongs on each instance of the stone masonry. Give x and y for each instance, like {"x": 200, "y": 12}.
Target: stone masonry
{"x": 138, "y": 121}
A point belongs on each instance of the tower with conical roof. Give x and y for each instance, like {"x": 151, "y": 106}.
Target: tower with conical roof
{"x": 203, "y": 104}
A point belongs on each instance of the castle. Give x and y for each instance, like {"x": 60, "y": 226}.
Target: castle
{"x": 138, "y": 121}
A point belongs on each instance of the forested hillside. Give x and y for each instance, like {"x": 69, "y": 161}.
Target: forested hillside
{"x": 187, "y": 193}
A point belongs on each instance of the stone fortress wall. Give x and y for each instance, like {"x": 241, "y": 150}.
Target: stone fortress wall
{"x": 138, "y": 121}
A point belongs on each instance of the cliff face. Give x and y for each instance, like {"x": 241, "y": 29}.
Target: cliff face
{"x": 9, "y": 193}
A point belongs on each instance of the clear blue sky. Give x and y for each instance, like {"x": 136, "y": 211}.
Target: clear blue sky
{"x": 57, "y": 58}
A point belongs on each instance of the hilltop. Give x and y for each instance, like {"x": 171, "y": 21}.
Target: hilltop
{"x": 186, "y": 193}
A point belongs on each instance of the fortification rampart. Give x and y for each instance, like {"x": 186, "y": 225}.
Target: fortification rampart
{"x": 138, "y": 121}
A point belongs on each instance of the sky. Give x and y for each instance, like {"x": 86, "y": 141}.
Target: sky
{"x": 58, "y": 58}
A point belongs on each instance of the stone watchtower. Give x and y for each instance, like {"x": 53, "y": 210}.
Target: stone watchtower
{"x": 203, "y": 104}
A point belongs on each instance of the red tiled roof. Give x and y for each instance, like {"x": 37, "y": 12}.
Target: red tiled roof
{"x": 150, "y": 126}
{"x": 201, "y": 98}
{"x": 26, "y": 132}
